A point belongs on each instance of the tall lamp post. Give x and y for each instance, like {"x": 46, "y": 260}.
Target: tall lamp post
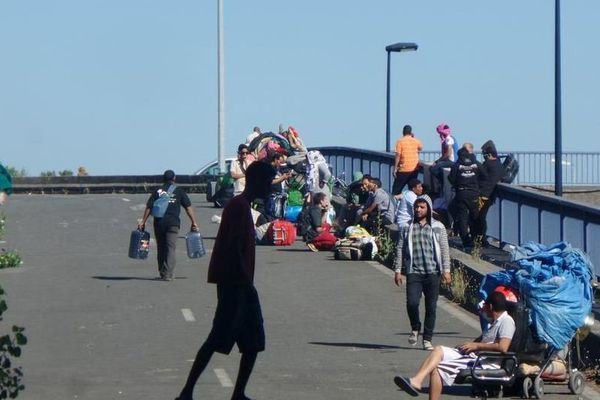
{"x": 221, "y": 88}
{"x": 393, "y": 48}
{"x": 558, "y": 189}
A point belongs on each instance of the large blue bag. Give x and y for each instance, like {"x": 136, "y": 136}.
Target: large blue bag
{"x": 555, "y": 283}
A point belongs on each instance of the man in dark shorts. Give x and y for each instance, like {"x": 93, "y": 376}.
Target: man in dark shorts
{"x": 238, "y": 318}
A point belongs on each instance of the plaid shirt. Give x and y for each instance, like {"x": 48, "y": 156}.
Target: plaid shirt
{"x": 423, "y": 258}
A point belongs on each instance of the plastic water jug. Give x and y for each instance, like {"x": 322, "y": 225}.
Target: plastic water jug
{"x": 139, "y": 244}
{"x": 194, "y": 244}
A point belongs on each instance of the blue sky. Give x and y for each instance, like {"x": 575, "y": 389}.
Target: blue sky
{"x": 130, "y": 86}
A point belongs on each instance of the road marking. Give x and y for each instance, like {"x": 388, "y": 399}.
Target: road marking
{"x": 446, "y": 304}
{"x": 223, "y": 377}
{"x": 188, "y": 315}
{"x": 125, "y": 199}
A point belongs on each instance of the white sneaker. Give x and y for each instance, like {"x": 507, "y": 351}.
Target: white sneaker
{"x": 413, "y": 338}
{"x": 427, "y": 345}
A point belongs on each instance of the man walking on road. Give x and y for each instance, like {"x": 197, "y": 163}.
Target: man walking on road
{"x": 238, "y": 317}
{"x": 167, "y": 222}
{"x": 407, "y": 160}
{"x": 422, "y": 258}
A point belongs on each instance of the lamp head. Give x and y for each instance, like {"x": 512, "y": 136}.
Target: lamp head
{"x": 398, "y": 47}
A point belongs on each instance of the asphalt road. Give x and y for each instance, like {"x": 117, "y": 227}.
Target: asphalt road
{"x": 101, "y": 327}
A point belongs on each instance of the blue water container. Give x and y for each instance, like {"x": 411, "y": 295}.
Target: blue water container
{"x": 139, "y": 244}
{"x": 194, "y": 244}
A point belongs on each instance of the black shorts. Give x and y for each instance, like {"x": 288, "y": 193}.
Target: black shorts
{"x": 238, "y": 319}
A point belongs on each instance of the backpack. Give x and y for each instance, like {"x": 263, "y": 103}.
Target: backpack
{"x": 276, "y": 204}
{"x": 354, "y": 250}
{"x": 160, "y": 205}
{"x": 281, "y": 233}
{"x": 511, "y": 168}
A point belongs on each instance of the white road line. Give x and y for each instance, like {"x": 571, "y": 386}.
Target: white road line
{"x": 188, "y": 315}
{"x": 446, "y": 304}
{"x": 125, "y": 199}
{"x": 223, "y": 377}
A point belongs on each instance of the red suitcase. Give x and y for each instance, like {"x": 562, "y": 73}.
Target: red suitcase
{"x": 282, "y": 233}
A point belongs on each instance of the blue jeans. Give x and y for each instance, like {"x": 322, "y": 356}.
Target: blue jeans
{"x": 429, "y": 286}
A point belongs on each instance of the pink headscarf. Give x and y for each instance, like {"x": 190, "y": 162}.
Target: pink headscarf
{"x": 443, "y": 130}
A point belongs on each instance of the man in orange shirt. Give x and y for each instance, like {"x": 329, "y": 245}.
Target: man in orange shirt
{"x": 407, "y": 160}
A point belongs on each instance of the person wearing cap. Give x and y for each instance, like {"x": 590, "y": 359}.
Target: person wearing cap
{"x": 166, "y": 228}
{"x": 494, "y": 171}
{"x": 407, "y": 159}
{"x": 449, "y": 153}
{"x": 238, "y": 168}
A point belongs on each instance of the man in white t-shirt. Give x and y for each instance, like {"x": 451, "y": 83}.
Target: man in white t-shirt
{"x": 405, "y": 208}
{"x": 255, "y": 133}
{"x": 443, "y": 363}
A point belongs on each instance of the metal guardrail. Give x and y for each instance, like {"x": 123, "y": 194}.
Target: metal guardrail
{"x": 518, "y": 216}
{"x": 537, "y": 167}
{"x": 105, "y": 184}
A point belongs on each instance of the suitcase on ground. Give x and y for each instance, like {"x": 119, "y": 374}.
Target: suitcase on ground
{"x": 194, "y": 245}
{"x": 281, "y": 233}
{"x": 139, "y": 244}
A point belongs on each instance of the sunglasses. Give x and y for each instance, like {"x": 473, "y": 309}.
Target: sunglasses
{"x": 244, "y": 153}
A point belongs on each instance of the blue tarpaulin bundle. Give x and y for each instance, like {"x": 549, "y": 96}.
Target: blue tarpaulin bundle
{"x": 555, "y": 283}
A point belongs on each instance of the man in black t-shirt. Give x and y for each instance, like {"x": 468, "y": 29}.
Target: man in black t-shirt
{"x": 166, "y": 228}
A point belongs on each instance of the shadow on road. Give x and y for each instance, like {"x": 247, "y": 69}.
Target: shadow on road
{"x": 129, "y": 278}
{"x": 357, "y": 345}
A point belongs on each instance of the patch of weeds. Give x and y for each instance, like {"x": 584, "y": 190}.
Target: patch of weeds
{"x": 463, "y": 288}
{"x": 10, "y": 259}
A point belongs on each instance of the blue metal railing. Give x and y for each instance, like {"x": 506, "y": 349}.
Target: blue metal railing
{"x": 537, "y": 167}
{"x": 518, "y": 216}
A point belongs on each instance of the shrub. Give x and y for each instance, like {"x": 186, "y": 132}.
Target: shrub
{"x": 10, "y": 259}
{"x": 10, "y": 347}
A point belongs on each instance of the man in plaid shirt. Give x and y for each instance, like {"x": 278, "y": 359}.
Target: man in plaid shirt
{"x": 422, "y": 261}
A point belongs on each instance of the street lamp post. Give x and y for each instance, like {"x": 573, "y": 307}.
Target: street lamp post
{"x": 393, "y": 48}
{"x": 558, "y": 189}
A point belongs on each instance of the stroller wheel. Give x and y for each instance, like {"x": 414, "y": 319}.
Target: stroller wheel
{"x": 526, "y": 388}
{"x": 576, "y": 382}
{"x": 538, "y": 387}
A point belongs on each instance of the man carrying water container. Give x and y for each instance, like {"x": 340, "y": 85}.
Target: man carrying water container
{"x": 164, "y": 205}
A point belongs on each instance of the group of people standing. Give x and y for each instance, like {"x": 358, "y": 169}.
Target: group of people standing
{"x": 473, "y": 182}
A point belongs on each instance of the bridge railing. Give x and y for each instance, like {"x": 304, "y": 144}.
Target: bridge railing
{"x": 537, "y": 167}
{"x": 519, "y": 215}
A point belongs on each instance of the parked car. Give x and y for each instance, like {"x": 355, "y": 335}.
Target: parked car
{"x": 219, "y": 196}
{"x": 212, "y": 168}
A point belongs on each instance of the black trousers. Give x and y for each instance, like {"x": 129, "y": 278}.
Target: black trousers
{"x": 466, "y": 212}
{"x": 166, "y": 241}
{"x": 429, "y": 286}
{"x": 401, "y": 180}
